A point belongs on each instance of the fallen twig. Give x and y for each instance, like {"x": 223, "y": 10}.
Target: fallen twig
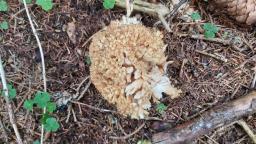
{"x": 92, "y": 107}
{"x": 8, "y": 104}
{"x": 202, "y": 37}
{"x": 158, "y": 10}
{"x": 217, "y": 57}
{"x": 247, "y": 130}
{"x": 216, "y": 117}
{"x": 128, "y": 135}
{"x": 42, "y": 60}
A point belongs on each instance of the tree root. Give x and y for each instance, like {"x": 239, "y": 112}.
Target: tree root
{"x": 216, "y": 117}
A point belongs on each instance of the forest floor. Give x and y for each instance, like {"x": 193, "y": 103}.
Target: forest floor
{"x": 204, "y": 80}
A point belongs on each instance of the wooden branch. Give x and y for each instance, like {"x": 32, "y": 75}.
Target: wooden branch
{"x": 214, "y": 118}
{"x": 8, "y": 104}
{"x": 149, "y": 8}
{"x": 157, "y": 10}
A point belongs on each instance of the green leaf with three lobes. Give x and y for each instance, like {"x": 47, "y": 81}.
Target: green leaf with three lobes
{"x": 195, "y": 16}
{"x": 3, "y": 5}
{"x": 36, "y": 142}
{"x": 45, "y": 4}
{"x": 109, "y": 4}
{"x": 51, "y": 107}
{"x": 209, "y": 34}
{"x": 44, "y": 118}
{"x": 4, "y": 25}
{"x": 161, "y": 108}
{"x": 210, "y": 30}
{"x": 210, "y": 27}
{"x": 11, "y": 91}
{"x": 51, "y": 125}
{"x": 41, "y": 99}
{"x": 28, "y": 104}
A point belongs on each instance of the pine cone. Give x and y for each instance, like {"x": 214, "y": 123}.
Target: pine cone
{"x": 244, "y": 11}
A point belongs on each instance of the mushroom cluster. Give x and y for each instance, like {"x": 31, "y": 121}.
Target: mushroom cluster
{"x": 129, "y": 67}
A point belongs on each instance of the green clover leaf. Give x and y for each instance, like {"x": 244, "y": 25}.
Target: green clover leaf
{"x": 44, "y": 118}
{"x": 36, "y": 142}
{"x": 109, "y": 4}
{"x": 160, "y": 108}
{"x": 4, "y": 25}
{"x": 41, "y": 99}
{"x": 11, "y": 91}
{"x": 28, "y": 104}
{"x": 45, "y": 4}
{"x": 3, "y": 5}
{"x": 195, "y": 16}
{"x": 209, "y": 34}
{"x": 210, "y": 27}
{"x": 51, "y": 125}
{"x": 210, "y": 30}
{"x": 51, "y": 107}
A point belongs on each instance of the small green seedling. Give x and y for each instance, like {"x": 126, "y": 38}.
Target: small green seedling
{"x": 160, "y": 108}
{"x": 3, "y": 6}
{"x": 45, "y": 4}
{"x": 210, "y": 30}
{"x": 28, "y": 104}
{"x": 195, "y": 16}
{"x": 4, "y": 25}
{"x": 11, "y": 91}
{"x": 52, "y": 125}
{"x": 109, "y": 4}
{"x": 36, "y": 142}
{"x": 42, "y": 100}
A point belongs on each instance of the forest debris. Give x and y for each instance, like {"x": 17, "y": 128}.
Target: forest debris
{"x": 202, "y": 37}
{"x": 158, "y": 10}
{"x": 128, "y": 135}
{"x": 216, "y": 117}
{"x": 146, "y": 7}
{"x": 215, "y": 56}
{"x": 242, "y": 10}
{"x": 128, "y": 67}
{"x": 243, "y": 124}
{"x": 71, "y": 31}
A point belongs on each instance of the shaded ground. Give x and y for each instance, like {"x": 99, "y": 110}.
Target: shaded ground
{"x": 205, "y": 81}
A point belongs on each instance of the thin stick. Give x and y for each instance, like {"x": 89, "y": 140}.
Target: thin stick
{"x": 42, "y": 59}
{"x": 246, "y": 128}
{"x": 213, "y": 56}
{"x": 92, "y": 107}
{"x": 201, "y": 37}
{"x": 129, "y": 135}
{"x": 9, "y": 106}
